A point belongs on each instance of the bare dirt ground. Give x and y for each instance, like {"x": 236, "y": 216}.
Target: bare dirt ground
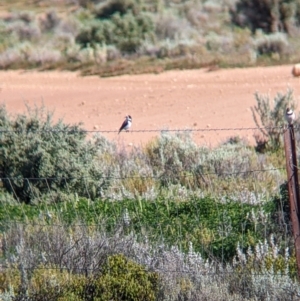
{"x": 195, "y": 99}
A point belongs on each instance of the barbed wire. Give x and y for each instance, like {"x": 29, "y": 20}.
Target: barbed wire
{"x": 148, "y": 130}
{"x": 184, "y": 174}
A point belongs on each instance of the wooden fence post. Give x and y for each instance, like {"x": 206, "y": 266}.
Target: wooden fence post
{"x": 293, "y": 187}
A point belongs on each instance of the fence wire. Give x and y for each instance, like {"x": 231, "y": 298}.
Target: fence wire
{"x": 238, "y": 129}
{"x": 146, "y": 176}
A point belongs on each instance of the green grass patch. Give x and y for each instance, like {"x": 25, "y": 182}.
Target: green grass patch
{"x": 214, "y": 228}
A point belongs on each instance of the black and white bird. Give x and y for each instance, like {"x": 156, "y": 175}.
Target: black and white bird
{"x": 126, "y": 124}
{"x": 290, "y": 116}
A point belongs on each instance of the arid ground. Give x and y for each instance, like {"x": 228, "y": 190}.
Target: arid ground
{"x": 196, "y": 99}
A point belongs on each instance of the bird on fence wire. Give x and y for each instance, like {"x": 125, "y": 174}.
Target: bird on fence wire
{"x": 126, "y": 124}
{"x": 290, "y": 116}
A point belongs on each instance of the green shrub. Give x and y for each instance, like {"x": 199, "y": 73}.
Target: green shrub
{"x": 121, "y": 279}
{"x": 130, "y": 31}
{"x": 126, "y": 32}
{"x": 125, "y": 280}
{"x": 38, "y": 157}
{"x": 95, "y": 32}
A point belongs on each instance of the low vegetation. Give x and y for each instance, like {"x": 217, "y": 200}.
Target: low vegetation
{"x": 115, "y": 36}
{"x": 84, "y": 262}
{"x": 81, "y": 219}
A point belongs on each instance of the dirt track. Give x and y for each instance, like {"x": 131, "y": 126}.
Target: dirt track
{"x": 174, "y": 100}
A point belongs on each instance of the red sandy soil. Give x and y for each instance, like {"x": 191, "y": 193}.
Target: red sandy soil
{"x": 196, "y": 99}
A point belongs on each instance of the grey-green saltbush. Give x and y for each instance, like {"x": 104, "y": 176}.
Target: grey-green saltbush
{"x": 38, "y": 156}
{"x": 276, "y": 43}
{"x": 176, "y": 158}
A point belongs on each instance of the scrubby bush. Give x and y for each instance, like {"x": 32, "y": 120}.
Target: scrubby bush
{"x": 24, "y": 32}
{"x": 94, "y": 32}
{"x": 108, "y": 8}
{"x": 123, "y": 279}
{"x": 42, "y": 56}
{"x": 130, "y": 31}
{"x": 172, "y": 27}
{"x": 176, "y": 159}
{"x": 11, "y": 57}
{"x": 50, "y": 21}
{"x": 173, "y": 156}
{"x": 25, "y": 16}
{"x": 270, "y": 16}
{"x": 37, "y": 157}
{"x": 269, "y": 119}
{"x": 275, "y": 43}
{"x": 127, "y": 31}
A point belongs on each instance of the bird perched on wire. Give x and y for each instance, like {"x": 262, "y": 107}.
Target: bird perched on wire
{"x": 126, "y": 124}
{"x": 290, "y": 116}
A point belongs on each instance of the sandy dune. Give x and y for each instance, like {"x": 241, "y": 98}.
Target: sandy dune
{"x": 195, "y": 99}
